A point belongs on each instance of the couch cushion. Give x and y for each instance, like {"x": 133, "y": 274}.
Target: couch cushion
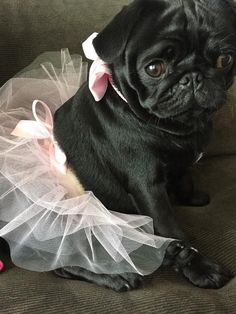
{"x": 223, "y": 139}
{"x": 212, "y": 229}
{"x": 28, "y": 30}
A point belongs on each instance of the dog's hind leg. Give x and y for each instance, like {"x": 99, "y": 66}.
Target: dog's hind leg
{"x": 119, "y": 283}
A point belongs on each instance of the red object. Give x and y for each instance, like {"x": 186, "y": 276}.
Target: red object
{"x": 1, "y": 265}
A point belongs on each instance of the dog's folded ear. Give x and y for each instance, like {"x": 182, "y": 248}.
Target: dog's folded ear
{"x": 111, "y": 42}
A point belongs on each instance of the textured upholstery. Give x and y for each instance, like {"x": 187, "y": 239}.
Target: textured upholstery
{"x": 224, "y": 134}
{"x": 30, "y": 27}
{"x": 211, "y": 228}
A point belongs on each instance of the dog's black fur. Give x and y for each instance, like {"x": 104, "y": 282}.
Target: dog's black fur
{"x": 134, "y": 155}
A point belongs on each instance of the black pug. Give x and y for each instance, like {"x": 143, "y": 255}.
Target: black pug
{"x": 173, "y": 61}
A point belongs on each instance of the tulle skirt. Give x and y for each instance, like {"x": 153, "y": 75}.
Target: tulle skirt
{"x": 45, "y": 225}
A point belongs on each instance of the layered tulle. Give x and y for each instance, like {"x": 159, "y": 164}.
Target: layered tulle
{"x": 47, "y": 226}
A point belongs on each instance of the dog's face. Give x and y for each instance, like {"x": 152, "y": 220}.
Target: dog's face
{"x": 172, "y": 59}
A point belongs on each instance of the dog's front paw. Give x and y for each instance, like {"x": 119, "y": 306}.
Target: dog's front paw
{"x": 204, "y": 273}
{"x": 198, "y": 269}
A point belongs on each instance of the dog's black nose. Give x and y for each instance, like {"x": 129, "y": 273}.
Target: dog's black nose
{"x": 189, "y": 79}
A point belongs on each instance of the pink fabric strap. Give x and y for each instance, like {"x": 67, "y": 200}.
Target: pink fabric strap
{"x": 42, "y": 130}
{"x": 1, "y": 265}
{"x": 99, "y": 74}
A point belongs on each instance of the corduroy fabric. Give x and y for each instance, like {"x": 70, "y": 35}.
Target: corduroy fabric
{"x": 212, "y": 229}
{"x": 223, "y": 139}
{"x": 30, "y": 27}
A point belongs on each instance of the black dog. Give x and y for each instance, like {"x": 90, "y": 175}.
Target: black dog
{"x": 173, "y": 61}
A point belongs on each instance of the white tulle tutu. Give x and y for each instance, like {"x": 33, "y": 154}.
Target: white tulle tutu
{"x": 46, "y": 226}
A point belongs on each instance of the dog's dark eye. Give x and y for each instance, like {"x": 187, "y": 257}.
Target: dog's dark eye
{"x": 156, "y": 69}
{"x": 224, "y": 61}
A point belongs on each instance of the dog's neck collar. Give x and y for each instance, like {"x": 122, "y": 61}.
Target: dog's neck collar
{"x": 99, "y": 73}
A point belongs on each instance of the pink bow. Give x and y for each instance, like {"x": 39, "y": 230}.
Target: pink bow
{"x": 42, "y": 130}
{"x": 99, "y": 74}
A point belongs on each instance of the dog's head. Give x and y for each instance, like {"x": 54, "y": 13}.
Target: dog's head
{"x": 172, "y": 59}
